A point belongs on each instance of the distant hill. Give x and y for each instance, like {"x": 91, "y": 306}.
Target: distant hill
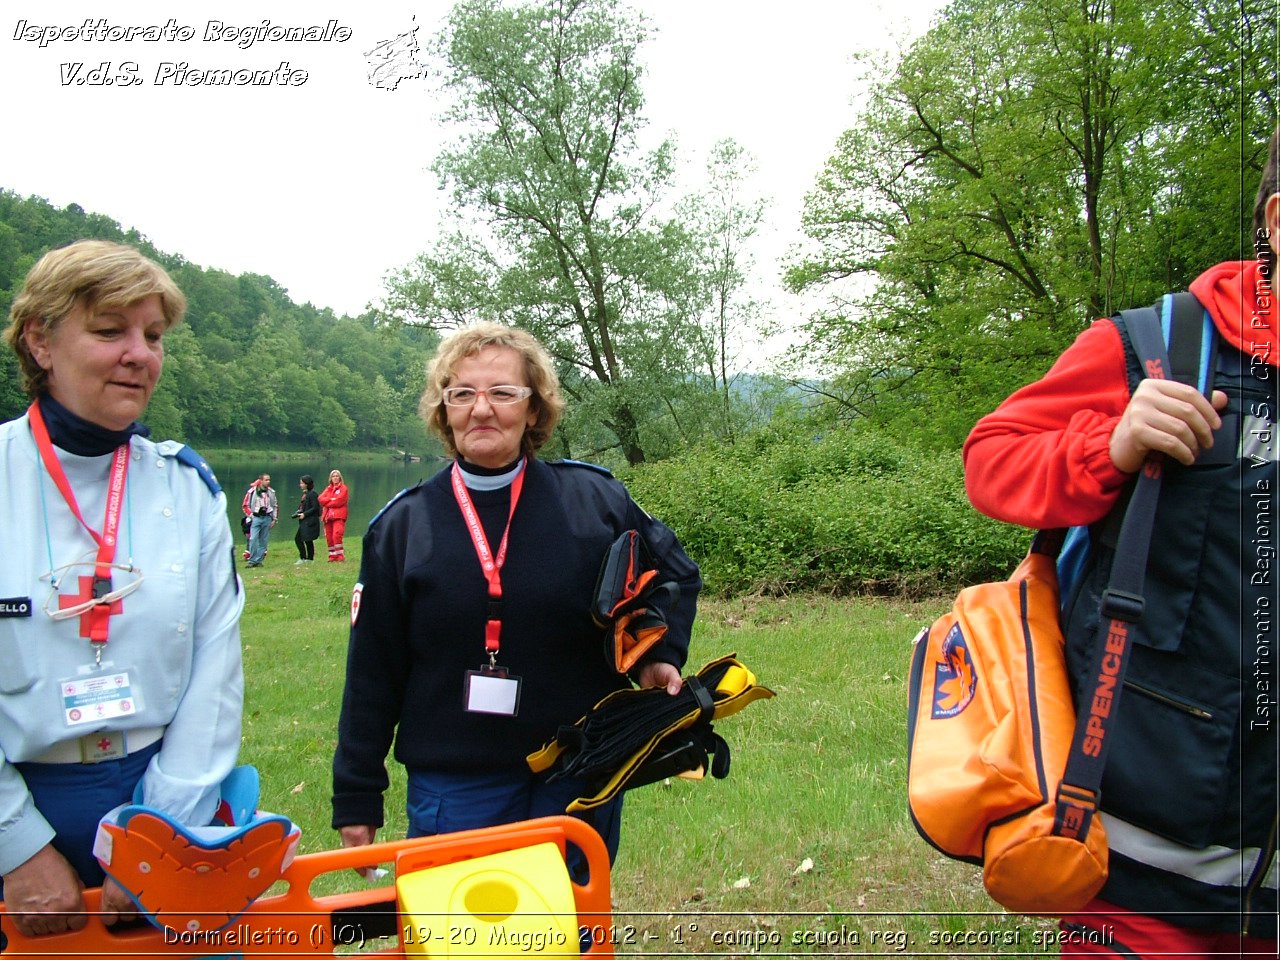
{"x": 249, "y": 366}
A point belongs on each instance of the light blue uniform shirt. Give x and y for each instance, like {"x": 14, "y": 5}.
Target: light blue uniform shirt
{"x": 178, "y": 635}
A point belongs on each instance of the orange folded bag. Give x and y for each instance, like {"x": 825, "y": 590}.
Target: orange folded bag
{"x": 990, "y": 726}
{"x": 628, "y": 601}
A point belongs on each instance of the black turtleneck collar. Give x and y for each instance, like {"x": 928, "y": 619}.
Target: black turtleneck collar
{"x": 480, "y": 471}
{"x": 77, "y": 435}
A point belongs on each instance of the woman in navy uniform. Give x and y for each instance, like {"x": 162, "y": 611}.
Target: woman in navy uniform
{"x": 472, "y": 638}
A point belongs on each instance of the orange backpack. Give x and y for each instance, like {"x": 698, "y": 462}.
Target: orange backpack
{"x": 1000, "y": 771}
{"x": 989, "y": 730}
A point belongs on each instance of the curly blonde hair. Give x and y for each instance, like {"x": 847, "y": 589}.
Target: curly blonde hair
{"x": 546, "y": 402}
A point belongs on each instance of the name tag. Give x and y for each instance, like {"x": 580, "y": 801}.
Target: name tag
{"x": 98, "y": 698}
{"x": 15, "y": 607}
{"x": 491, "y": 691}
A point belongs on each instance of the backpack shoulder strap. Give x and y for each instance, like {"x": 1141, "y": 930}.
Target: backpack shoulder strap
{"x": 1185, "y": 331}
{"x": 1191, "y": 338}
{"x": 1122, "y": 601}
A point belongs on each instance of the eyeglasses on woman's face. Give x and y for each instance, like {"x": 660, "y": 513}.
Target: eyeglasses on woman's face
{"x": 502, "y": 395}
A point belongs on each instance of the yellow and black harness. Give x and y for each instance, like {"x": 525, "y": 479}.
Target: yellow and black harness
{"x": 636, "y": 737}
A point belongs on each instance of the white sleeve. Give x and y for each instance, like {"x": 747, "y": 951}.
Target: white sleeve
{"x": 23, "y": 830}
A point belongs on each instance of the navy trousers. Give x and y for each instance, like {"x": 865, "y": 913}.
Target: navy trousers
{"x": 449, "y": 802}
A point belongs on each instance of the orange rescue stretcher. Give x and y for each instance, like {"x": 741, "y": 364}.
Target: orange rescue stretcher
{"x": 497, "y": 892}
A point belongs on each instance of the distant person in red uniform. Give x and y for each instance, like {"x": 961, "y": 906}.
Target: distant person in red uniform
{"x": 333, "y": 514}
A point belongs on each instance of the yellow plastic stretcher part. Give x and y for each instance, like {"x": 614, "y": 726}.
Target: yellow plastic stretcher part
{"x": 516, "y": 902}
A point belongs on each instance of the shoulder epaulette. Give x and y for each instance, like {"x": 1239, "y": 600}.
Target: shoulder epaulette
{"x": 387, "y": 505}
{"x": 581, "y": 463}
{"x": 185, "y": 455}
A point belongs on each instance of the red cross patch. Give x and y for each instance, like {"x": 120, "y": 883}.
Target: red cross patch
{"x": 95, "y": 616}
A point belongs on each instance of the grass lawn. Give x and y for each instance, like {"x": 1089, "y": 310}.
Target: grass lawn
{"x": 806, "y": 848}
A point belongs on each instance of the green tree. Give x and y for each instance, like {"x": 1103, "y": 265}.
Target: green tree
{"x": 557, "y": 228}
{"x": 725, "y": 217}
{"x": 300, "y": 390}
{"x": 382, "y": 424}
{"x": 247, "y": 365}
{"x": 331, "y": 427}
{"x": 164, "y": 413}
{"x": 1026, "y": 166}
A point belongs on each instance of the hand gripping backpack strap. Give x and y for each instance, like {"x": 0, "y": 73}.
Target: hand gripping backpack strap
{"x": 1189, "y": 332}
{"x": 1183, "y": 321}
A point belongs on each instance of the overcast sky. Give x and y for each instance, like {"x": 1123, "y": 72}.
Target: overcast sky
{"x": 325, "y": 185}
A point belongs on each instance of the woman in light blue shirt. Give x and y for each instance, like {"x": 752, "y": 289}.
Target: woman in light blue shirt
{"x": 120, "y": 662}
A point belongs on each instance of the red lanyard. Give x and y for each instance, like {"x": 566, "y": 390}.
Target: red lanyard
{"x": 94, "y": 623}
{"x": 490, "y": 564}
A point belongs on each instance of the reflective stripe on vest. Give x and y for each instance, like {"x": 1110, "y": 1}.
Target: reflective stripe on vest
{"x": 1216, "y": 866}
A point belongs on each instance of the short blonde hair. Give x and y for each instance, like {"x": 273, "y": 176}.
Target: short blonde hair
{"x": 546, "y": 401}
{"x": 84, "y": 276}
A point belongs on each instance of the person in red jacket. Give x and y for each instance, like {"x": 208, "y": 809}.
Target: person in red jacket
{"x": 1189, "y": 795}
{"x": 333, "y": 513}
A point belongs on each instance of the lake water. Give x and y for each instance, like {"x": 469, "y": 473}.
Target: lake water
{"x": 371, "y": 486}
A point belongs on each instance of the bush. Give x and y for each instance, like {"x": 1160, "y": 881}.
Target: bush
{"x": 838, "y": 509}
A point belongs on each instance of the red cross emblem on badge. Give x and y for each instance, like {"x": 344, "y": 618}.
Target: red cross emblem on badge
{"x": 104, "y": 744}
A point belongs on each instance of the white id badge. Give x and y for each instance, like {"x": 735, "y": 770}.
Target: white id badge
{"x": 491, "y": 690}
{"x": 98, "y": 696}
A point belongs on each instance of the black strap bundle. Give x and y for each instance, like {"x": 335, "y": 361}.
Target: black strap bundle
{"x": 635, "y": 737}
{"x": 607, "y": 736}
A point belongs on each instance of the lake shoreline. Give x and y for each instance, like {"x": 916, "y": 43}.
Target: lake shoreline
{"x": 271, "y": 455}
